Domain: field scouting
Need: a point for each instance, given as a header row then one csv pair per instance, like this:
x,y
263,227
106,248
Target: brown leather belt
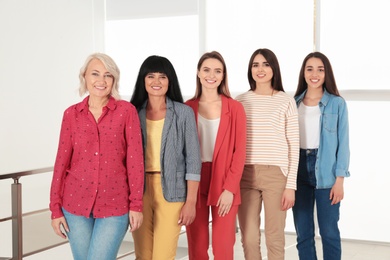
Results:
x,y
153,172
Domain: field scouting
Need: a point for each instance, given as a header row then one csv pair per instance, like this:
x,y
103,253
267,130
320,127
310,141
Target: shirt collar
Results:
x,y
168,101
324,100
84,104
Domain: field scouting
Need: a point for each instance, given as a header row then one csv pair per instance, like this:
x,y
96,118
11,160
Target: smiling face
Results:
x,y
261,70
211,74
314,73
98,79
156,84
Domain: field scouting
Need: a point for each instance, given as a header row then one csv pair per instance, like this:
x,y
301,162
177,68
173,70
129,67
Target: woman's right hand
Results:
x,y
56,224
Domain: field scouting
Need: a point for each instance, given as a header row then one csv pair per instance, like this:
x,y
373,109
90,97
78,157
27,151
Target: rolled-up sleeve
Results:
x,y
192,147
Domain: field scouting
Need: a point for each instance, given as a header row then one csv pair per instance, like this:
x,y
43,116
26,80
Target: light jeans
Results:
x,y
95,238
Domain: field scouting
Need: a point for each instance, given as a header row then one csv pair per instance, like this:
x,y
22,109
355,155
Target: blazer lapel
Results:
x,y
167,123
224,125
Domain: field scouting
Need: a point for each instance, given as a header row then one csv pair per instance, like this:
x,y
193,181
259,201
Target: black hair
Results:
x,y
156,64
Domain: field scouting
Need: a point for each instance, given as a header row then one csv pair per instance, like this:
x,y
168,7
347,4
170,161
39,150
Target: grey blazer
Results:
x,y
180,152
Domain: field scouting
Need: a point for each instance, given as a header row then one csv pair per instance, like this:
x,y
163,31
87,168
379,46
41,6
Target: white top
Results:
x,y
208,129
309,126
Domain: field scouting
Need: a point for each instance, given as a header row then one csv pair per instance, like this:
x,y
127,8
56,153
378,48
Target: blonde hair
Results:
x,y
109,64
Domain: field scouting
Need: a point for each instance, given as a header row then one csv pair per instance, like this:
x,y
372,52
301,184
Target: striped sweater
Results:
x,y
272,132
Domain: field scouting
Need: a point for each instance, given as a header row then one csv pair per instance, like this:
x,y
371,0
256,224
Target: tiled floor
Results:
x,y
352,250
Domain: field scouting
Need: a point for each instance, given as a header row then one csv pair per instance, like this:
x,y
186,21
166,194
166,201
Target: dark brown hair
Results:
x,y
272,60
329,83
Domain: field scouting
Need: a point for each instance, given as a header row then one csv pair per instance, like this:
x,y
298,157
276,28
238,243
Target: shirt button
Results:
x,y
96,153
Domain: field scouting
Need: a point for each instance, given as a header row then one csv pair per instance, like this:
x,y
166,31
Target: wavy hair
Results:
x,y
110,66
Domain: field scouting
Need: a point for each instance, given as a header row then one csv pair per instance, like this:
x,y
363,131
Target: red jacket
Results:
x,y
229,151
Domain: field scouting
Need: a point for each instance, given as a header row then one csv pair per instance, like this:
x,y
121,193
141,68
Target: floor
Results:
x,y
352,250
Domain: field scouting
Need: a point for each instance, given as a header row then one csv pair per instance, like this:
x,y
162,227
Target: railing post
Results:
x,y
17,241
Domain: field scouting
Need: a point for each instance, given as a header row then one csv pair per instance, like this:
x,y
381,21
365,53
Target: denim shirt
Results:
x,y
333,151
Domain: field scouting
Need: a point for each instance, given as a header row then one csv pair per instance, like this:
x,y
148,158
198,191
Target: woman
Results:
x,y
172,159
272,152
324,157
222,130
98,173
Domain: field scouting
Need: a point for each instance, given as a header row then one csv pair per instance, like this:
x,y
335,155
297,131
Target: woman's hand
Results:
x,y
288,199
57,223
187,213
135,219
337,191
225,202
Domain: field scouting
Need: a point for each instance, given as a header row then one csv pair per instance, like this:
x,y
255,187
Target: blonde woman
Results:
x,y
98,176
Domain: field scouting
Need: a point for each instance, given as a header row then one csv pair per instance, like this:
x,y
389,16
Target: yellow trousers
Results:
x,y
158,235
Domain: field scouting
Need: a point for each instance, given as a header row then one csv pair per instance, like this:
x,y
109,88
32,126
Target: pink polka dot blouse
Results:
x,y
99,168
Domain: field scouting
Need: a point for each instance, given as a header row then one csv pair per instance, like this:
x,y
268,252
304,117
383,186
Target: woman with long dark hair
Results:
x,y
324,157
172,159
272,150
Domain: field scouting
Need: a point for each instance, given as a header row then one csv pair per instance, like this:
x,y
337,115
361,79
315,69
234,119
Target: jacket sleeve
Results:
x,y
233,178
192,147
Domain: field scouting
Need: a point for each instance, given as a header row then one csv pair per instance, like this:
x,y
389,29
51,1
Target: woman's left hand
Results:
x,y
288,199
135,219
187,214
225,202
337,191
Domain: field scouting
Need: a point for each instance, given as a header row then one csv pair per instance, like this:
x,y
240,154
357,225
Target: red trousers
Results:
x,y
223,228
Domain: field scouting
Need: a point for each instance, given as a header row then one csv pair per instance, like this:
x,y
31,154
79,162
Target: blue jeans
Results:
x,y
303,211
95,238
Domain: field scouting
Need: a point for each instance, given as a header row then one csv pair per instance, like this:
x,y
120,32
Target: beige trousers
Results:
x,y
262,185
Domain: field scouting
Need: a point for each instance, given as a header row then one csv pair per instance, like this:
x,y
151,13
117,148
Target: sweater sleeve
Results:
x,y
292,136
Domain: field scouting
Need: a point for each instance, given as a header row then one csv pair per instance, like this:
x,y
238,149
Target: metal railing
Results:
x,y
17,219
17,215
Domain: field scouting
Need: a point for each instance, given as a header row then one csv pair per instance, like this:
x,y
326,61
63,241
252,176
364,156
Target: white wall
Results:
x,y
349,32
43,44
352,36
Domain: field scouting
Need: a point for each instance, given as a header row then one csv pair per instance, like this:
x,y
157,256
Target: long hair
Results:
x,y
109,64
330,81
270,57
223,88
156,64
